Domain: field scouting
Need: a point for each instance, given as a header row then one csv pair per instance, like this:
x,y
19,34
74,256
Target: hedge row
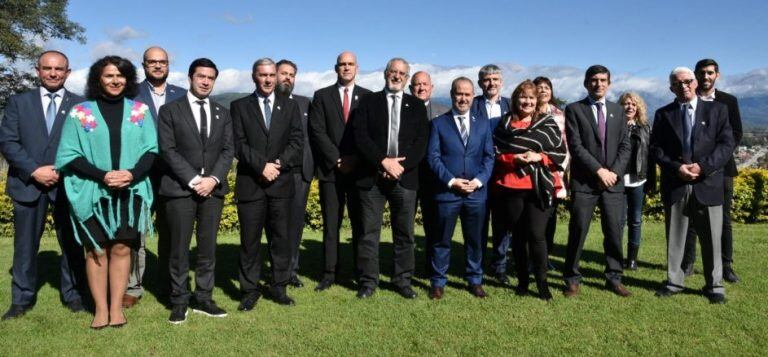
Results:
x,y
750,204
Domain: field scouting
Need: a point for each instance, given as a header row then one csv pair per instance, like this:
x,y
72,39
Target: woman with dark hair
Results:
x,y
107,147
545,95
530,152
638,172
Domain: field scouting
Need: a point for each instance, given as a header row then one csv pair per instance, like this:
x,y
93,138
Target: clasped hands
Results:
x,y
528,157
689,172
346,163
464,186
271,171
607,177
117,179
392,168
46,175
204,186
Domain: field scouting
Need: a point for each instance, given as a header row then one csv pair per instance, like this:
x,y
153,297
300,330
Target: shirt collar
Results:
x,y
152,89
193,100
710,97
489,101
398,94
592,101
694,102
457,114
261,97
59,92
341,87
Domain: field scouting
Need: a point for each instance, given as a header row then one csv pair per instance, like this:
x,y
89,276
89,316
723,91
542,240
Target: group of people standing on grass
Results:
x,y
107,162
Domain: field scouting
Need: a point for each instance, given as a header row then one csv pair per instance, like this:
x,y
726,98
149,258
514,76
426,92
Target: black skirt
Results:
x,y
124,234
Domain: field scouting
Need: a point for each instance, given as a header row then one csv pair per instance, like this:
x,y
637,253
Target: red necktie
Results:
x,y
345,106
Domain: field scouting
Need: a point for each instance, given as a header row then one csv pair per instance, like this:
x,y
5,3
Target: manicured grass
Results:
x,y
336,323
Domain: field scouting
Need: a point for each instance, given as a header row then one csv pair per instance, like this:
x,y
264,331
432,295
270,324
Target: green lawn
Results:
x,y
336,323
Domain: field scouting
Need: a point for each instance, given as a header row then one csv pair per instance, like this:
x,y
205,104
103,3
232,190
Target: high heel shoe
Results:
x,y
96,328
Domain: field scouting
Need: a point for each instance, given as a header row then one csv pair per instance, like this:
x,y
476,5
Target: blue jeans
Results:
x,y
634,197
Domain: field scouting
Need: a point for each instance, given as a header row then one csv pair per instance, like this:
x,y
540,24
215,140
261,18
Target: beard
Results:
x,y
284,89
161,79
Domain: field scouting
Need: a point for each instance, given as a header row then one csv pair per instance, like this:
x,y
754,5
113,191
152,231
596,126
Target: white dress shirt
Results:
x,y
457,121
271,102
351,88
493,108
46,100
593,106
196,114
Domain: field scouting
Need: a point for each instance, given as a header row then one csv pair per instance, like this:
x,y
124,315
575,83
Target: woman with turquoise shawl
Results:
x,y
108,145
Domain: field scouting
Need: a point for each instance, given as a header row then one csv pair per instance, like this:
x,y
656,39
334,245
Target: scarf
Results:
x,y
85,135
544,137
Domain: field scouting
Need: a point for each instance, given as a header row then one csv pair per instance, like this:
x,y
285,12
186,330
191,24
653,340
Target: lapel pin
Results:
x,y
217,116
63,112
278,107
703,123
610,115
217,108
406,105
355,97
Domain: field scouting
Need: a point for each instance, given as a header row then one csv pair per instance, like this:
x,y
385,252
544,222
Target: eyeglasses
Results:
x,y
686,83
161,63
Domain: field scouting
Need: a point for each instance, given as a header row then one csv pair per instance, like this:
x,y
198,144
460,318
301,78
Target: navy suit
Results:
x,y
448,158
498,261
26,145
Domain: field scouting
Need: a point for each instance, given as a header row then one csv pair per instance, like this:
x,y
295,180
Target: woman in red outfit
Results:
x,y
530,152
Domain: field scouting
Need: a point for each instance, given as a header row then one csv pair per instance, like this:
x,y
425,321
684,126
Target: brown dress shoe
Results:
x,y
571,290
477,291
129,301
618,289
436,293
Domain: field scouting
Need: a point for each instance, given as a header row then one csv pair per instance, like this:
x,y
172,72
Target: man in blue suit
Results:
x,y
460,154
29,139
155,92
491,105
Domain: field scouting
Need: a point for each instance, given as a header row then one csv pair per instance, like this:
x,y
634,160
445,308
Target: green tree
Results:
x,y
23,25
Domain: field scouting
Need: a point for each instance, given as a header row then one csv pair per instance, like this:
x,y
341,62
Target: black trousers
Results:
x,y
727,237
270,213
583,206
402,206
297,219
182,215
333,197
524,216
29,222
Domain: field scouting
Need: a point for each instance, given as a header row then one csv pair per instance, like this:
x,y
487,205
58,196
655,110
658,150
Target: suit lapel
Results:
x,y
259,117
586,109
216,121
700,121
189,118
61,116
673,115
338,104
278,122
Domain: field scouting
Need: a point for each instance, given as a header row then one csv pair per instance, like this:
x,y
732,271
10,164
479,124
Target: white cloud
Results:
x,y
110,48
234,20
126,33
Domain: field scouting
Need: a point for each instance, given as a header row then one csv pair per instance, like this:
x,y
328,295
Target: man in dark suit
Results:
x,y
155,92
692,141
460,154
599,146
707,72
29,139
302,174
196,142
421,87
336,158
391,131
268,145
491,105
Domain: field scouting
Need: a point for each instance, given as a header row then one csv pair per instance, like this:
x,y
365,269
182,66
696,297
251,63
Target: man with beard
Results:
x,y
155,92
302,174
391,132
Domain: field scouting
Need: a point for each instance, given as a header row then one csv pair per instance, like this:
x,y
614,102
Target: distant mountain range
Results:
x,y
754,109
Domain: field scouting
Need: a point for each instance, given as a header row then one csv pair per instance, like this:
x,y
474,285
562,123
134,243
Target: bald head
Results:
x,y
156,65
346,68
421,85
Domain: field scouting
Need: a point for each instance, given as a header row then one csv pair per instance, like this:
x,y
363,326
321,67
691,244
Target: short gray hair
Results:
x,y
265,61
680,70
398,59
487,70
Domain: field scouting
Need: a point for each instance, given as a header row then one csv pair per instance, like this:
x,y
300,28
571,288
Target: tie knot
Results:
x,y
266,100
461,117
200,102
346,90
599,105
52,95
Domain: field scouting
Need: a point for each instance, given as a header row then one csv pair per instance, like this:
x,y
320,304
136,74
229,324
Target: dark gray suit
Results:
x,y
26,145
586,158
302,178
187,156
435,109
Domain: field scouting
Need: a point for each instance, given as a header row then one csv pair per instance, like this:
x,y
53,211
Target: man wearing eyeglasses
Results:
x,y
155,92
692,141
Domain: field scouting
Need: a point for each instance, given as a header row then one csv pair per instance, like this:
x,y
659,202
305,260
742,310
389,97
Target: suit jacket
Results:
x,y
26,144
307,167
586,149
371,131
435,109
329,136
172,93
186,155
713,144
255,146
448,157
734,116
478,107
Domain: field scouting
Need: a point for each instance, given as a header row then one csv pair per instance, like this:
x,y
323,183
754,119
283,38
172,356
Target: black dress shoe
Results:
x,y
248,302
715,298
502,278
325,284
477,291
178,314
209,308
16,311
76,305
365,292
436,293
295,282
521,290
284,299
729,275
407,292
665,292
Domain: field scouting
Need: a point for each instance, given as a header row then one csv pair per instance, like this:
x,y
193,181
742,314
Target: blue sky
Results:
x,y
640,40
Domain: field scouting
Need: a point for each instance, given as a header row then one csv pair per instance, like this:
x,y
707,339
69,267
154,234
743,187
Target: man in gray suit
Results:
x,y
155,92
302,175
421,86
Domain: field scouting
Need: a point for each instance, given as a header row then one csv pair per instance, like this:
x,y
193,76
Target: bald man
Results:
x,y
421,86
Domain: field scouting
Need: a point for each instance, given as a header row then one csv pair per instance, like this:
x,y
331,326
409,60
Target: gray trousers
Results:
x,y
138,264
708,222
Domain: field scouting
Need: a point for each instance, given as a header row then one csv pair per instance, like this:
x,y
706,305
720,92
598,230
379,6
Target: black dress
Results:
x,y
112,111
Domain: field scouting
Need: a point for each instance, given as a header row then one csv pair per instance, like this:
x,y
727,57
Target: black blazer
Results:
x,y
183,150
329,136
26,144
255,146
371,130
586,149
734,117
307,166
712,147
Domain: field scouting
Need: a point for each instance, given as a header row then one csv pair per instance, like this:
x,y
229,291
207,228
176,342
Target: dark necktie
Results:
x,y
50,113
463,131
203,121
687,129
345,106
601,129
267,113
